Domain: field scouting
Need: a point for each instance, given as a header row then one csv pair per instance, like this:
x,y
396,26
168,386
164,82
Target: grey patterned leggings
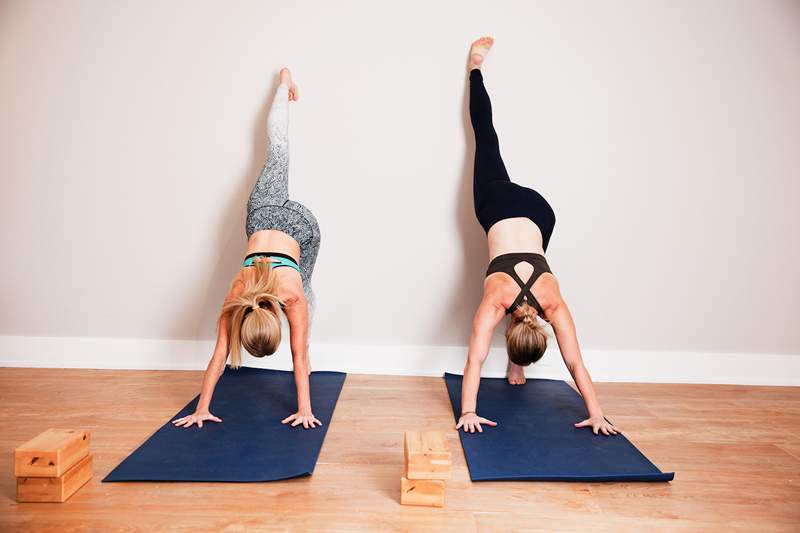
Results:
x,y
269,206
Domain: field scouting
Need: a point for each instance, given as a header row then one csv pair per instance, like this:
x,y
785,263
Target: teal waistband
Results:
x,y
276,261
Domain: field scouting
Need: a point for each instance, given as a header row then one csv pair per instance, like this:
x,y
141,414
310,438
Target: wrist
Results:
x,y
465,413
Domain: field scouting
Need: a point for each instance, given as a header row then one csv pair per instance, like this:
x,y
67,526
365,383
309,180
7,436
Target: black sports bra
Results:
x,y
507,262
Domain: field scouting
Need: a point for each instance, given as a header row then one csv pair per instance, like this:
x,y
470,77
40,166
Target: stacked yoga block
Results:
x,y
428,462
52,466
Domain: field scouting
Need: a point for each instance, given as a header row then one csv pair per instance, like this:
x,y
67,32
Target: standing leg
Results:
x,y
272,187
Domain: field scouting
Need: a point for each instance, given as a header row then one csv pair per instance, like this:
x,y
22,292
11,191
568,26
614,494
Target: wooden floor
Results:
x,y
735,451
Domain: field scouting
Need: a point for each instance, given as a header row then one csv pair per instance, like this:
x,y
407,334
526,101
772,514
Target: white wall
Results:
x,y
665,135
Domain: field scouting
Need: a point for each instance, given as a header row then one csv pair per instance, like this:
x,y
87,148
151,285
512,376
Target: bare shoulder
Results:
x,y
295,307
237,285
491,308
290,286
495,288
493,279
292,296
548,293
499,291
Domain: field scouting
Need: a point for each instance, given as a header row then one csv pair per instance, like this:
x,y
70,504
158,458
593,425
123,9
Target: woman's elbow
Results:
x,y
474,362
293,299
575,366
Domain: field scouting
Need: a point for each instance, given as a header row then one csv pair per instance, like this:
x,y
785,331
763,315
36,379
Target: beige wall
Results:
x,y
665,134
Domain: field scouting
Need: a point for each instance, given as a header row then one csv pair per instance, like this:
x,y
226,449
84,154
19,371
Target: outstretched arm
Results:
x,y
216,366
567,337
486,319
296,310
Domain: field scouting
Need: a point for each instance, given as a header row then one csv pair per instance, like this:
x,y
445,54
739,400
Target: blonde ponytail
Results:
x,y
526,338
253,315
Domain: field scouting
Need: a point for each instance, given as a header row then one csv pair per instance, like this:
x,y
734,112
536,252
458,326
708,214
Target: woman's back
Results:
x,y
519,234
273,241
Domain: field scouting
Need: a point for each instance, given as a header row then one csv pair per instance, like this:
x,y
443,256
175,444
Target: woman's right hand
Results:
x,y
196,418
471,422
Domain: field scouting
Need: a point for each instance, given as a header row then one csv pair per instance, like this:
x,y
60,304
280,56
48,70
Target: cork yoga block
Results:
x,y
51,453
427,492
427,455
55,489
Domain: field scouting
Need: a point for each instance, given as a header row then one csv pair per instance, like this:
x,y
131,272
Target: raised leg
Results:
x,y
489,164
272,186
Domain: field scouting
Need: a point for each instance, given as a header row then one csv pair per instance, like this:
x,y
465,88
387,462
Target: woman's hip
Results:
x,y
291,218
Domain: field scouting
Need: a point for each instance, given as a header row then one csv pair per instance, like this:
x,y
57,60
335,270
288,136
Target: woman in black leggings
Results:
x,y
518,222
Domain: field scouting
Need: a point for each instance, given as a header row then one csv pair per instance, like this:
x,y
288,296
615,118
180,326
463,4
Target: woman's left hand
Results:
x,y
599,424
304,417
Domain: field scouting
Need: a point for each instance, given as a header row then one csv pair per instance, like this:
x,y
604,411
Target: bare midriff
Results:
x,y
514,235
271,240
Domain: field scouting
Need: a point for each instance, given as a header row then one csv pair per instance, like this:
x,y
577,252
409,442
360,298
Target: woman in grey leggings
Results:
x,y
283,241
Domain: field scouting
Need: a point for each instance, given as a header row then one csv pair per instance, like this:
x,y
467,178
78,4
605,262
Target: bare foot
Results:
x,y
478,51
515,374
286,79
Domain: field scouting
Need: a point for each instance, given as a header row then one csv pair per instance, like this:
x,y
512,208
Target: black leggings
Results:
x,y
496,196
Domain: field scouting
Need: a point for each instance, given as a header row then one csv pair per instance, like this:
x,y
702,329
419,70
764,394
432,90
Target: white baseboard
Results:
x,y
604,365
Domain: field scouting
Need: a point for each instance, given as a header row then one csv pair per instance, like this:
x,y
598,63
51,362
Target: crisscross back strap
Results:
x,y
525,294
505,263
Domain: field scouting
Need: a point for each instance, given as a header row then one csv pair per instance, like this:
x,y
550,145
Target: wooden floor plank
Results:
x,y
735,450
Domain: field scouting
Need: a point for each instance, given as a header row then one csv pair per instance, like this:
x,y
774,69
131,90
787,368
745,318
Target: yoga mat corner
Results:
x,y
535,439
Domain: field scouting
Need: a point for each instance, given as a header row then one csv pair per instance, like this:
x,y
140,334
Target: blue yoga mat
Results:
x,y
535,439
250,444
